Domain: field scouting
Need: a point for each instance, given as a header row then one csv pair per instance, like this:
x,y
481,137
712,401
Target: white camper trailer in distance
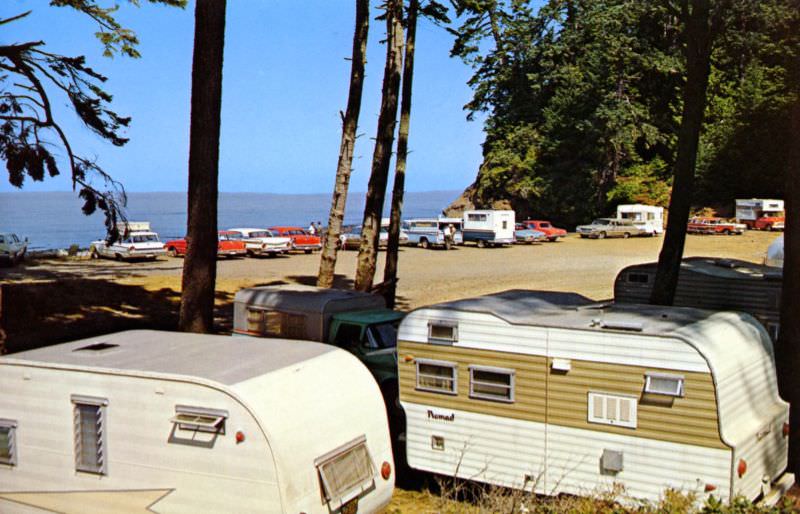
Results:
x,y
167,422
521,390
648,217
488,227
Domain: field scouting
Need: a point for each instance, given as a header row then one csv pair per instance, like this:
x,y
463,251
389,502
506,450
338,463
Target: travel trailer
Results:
x,y
148,421
761,214
648,217
488,228
529,390
711,283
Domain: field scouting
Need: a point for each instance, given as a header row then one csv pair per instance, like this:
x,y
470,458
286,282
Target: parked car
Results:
x,y
610,227
137,241
711,225
552,232
12,248
230,244
260,241
351,239
523,234
301,238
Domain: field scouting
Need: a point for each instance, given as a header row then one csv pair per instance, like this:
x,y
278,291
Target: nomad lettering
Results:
x,y
441,417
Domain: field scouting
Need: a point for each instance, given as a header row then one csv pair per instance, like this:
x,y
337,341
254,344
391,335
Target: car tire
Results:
x,y
601,235
626,235
726,232
308,252
423,243
552,239
172,252
118,256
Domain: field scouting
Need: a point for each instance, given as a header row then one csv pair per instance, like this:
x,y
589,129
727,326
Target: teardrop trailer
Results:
x,y
181,423
526,390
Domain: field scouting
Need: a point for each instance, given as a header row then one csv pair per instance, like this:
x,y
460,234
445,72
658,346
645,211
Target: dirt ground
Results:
x,y
51,301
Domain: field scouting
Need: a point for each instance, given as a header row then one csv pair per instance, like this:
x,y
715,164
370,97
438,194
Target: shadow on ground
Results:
x,y
37,314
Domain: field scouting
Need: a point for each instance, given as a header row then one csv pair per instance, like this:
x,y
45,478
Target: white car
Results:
x,y
260,241
12,248
136,241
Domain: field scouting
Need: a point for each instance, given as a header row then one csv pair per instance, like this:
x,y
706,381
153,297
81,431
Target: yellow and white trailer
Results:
x,y
147,421
521,391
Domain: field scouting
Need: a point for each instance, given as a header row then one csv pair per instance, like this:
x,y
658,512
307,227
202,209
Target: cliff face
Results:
x,y
469,200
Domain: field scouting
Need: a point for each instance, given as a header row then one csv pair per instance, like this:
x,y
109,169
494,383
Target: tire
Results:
x,y
423,243
626,235
769,227
172,252
118,256
552,239
726,232
601,235
307,251
481,243
93,253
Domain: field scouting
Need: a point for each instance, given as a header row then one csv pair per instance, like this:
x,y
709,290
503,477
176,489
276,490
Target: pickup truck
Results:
x,y
12,248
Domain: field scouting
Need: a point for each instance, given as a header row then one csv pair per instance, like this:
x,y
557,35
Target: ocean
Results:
x,y
54,219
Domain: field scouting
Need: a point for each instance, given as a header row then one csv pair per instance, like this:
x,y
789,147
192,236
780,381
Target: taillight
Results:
x,y
386,470
741,469
239,437
786,430
710,487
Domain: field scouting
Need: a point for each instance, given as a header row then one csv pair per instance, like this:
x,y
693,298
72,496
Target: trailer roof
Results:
x,y
223,359
304,298
724,268
570,310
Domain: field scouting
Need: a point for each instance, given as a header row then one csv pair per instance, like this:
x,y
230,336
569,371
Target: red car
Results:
x,y
301,238
711,225
230,244
552,232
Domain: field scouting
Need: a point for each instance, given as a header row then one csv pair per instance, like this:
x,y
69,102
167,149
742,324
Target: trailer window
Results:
x,y
491,383
8,436
437,376
442,332
638,278
661,383
476,217
346,472
276,324
610,409
89,417
199,419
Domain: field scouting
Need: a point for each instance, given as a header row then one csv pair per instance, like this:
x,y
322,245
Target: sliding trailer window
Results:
x,y
488,383
437,376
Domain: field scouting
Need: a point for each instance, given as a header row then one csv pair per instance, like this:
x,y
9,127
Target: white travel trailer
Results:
x,y
488,228
147,421
522,390
649,217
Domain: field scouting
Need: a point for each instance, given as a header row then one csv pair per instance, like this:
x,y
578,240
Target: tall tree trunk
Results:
x,y
788,358
376,190
327,265
200,264
393,246
696,14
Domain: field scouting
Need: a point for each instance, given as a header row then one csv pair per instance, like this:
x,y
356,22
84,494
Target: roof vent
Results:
x,y
96,347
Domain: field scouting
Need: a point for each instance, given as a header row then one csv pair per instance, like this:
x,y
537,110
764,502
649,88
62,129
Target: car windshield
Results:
x,y
144,238
230,236
260,233
382,335
600,221
544,225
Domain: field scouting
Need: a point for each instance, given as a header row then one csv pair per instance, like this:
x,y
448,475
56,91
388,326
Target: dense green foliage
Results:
x,y
583,102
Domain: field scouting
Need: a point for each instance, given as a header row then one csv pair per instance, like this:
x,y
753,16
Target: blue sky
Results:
x,y
285,81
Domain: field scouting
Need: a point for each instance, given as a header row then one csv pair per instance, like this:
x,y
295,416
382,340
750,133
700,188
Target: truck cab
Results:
x,y
371,335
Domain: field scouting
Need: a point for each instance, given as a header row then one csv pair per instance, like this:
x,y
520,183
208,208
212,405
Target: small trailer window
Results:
x,y
345,472
437,376
8,435
491,383
199,419
661,383
276,324
476,217
442,332
611,409
89,417
638,278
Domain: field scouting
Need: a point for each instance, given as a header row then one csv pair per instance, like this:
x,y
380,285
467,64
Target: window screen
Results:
x,y
610,409
276,324
491,383
437,376
90,434
346,472
8,434
660,383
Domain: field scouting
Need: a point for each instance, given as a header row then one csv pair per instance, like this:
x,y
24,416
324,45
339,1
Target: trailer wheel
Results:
x,y
626,235
601,235
423,243
481,243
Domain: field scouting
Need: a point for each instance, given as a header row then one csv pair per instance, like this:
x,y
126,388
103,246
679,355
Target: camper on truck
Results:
x,y
761,214
433,232
170,422
553,394
488,227
136,241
